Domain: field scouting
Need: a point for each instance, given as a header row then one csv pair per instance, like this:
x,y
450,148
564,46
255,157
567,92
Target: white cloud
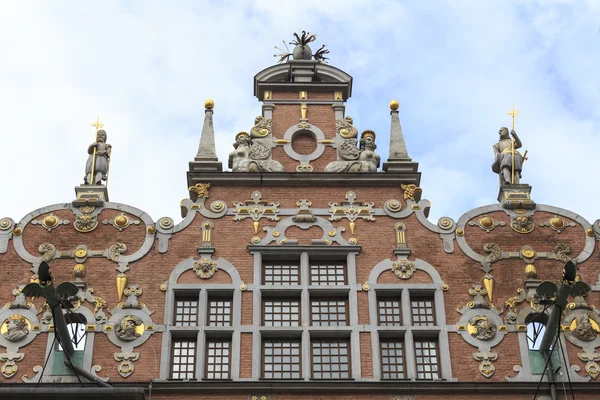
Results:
x,y
147,67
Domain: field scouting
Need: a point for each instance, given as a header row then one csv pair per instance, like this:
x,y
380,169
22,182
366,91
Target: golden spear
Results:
x,y
513,113
97,125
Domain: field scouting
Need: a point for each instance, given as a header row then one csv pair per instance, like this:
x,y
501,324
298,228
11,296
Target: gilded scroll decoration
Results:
x,y
262,127
345,128
412,192
199,191
351,210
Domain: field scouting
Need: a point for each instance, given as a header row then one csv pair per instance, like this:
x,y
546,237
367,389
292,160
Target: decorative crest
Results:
x,y
302,50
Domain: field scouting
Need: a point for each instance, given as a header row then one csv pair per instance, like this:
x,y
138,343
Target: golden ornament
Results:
x,y
80,253
209,104
530,271
50,221
528,253
394,105
121,221
557,223
486,222
121,283
488,284
589,232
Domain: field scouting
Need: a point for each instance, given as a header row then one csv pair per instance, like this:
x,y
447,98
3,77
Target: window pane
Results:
x,y
219,312
328,274
422,312
280,365
325,312
281,312
389,312
186,312
392,362
426,359
182,366
327,360
217,367
281,274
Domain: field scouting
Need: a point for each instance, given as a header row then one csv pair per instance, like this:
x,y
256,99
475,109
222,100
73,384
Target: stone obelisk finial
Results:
x,y
398,160
206,158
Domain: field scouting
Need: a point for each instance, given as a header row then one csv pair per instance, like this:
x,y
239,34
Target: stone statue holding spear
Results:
x,y
508,162
96,167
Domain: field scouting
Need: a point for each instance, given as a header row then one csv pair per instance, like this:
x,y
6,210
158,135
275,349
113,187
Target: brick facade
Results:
x,y
447,265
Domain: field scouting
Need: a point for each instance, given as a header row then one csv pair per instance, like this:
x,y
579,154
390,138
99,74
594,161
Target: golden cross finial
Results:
x,y
97,124
513,113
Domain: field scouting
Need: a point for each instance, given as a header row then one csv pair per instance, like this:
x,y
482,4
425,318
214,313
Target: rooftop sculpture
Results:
x,y
302,50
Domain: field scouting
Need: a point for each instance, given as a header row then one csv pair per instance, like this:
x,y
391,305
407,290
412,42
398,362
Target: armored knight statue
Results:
x,y
503,158
98,161
353,159
252,154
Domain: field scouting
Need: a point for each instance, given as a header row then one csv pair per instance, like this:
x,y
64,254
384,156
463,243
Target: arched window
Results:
x,y
536,327
76,327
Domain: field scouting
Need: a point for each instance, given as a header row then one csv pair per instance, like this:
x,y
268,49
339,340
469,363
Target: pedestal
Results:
x,y
90,195
516,196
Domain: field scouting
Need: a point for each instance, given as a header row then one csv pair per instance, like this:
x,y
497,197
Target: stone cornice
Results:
x,y
350,180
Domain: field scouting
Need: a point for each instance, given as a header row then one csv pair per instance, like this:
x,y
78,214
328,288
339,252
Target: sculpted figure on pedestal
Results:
x,y
503,157
98,160
362,159
252,155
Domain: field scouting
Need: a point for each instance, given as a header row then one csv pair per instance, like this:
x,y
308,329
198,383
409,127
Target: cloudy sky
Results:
x,y
146,68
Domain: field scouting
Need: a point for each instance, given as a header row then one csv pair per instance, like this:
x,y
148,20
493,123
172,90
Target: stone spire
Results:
x,y
398,160
206,158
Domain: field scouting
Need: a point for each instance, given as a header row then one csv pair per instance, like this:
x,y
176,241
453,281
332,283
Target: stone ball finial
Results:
x,y
209,104
394,105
